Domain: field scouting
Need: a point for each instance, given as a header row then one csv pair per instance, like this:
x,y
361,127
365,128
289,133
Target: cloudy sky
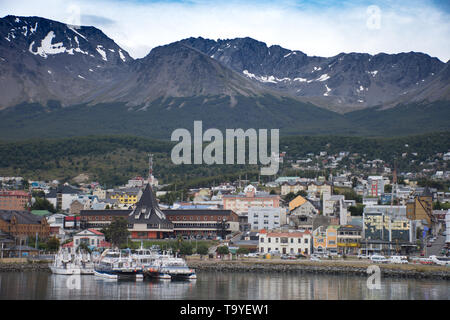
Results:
x,y
321,27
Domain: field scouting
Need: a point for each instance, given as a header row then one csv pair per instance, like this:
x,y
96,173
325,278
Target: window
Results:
x,y
269,240
262,240
306,240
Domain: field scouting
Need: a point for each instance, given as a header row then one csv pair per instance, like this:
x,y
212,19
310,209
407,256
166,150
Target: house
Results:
x,y
62,197
91,237
285,242
320,188
292,187
301,207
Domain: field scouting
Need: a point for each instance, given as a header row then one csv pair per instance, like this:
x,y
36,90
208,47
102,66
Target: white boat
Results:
x,y
113,264
66,263
176,268
150,262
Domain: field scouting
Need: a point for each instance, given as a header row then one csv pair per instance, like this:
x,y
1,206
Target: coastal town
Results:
x,y
347,216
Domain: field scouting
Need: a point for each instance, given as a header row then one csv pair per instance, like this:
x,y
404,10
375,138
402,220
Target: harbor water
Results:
x,y
39,285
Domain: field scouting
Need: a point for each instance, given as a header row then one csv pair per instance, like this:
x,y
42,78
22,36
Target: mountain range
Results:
x,y
59,79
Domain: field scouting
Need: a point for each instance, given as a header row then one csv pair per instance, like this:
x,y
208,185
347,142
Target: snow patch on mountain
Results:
x,y
101,52
323,77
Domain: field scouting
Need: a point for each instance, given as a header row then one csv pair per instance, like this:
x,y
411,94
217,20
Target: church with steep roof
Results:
x,y
146,220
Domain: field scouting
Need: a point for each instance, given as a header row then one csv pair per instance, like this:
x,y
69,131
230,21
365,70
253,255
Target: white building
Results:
x,y
375,185
266,218
285,242
90,237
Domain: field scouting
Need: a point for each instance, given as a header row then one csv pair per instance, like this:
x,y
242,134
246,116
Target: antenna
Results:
x,y
150,169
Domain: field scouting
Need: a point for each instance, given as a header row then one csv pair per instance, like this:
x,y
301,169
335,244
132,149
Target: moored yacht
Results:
x,y
117,265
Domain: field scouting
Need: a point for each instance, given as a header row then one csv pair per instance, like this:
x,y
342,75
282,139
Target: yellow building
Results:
x,y
421,207
129,196
325,239
298,201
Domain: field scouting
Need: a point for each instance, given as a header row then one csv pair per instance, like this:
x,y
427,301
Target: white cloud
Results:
x,y
322,31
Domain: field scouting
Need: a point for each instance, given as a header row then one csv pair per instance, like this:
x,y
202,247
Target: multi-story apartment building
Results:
x,y
251,198
129,196
325,239
266,218
375,186
349,239
285,242
292,187
14,199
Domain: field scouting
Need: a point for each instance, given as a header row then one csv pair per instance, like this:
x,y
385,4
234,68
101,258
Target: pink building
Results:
x,y
250,198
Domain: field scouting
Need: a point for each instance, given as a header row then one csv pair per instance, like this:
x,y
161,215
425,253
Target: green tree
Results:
x,y
356,210
53,244
43,204
242,250
186,248
223,250
202,249
117,232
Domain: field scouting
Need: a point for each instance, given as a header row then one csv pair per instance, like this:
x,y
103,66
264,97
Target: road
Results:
x,y
436,247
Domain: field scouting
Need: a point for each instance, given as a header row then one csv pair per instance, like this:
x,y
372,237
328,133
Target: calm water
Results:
x,y
223,286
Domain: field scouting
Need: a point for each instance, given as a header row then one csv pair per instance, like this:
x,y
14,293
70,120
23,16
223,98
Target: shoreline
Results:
x,y
358,268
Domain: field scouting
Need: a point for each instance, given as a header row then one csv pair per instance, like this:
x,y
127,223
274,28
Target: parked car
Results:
x,y
398,259
426,261
428,244
363,256
442,261
379,259
314,257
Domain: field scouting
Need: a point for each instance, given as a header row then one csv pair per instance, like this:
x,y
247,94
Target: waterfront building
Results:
x,y
91,237
23,224
384,233
349,239
147,220
202,223
14,199
285,242
325,239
